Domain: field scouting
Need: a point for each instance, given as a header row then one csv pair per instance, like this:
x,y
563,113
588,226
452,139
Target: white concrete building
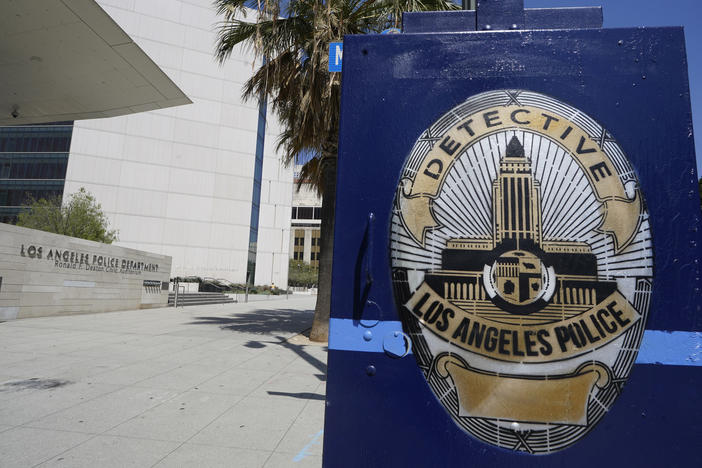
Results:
x,y
306,223
180,181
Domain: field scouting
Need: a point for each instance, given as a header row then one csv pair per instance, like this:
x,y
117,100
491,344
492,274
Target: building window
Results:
x,y
306,212
299,248
33,162
315,248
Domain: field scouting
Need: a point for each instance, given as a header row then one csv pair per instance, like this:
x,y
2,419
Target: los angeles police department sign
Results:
x,y
522,263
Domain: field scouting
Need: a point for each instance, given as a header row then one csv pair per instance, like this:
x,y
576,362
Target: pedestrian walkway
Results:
x,y
230,385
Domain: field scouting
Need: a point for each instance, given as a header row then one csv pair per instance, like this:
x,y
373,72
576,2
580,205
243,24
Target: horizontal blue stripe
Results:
x,y
348,335
676,348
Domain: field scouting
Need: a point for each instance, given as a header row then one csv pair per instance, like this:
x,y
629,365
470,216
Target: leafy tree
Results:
x,y
81,216
293,47
301,274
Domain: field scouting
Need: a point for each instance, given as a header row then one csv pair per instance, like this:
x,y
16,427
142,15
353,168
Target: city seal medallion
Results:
x,y
522,262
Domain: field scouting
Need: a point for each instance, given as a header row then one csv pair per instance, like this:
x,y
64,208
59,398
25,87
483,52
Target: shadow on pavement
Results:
x,y
268,321
297,349
302,395
271,322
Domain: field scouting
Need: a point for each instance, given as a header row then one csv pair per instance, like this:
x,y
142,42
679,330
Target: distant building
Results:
x,y
33,162
305,223
201,183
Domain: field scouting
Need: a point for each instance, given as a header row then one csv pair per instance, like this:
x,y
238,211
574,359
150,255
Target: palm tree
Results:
x,y
294,78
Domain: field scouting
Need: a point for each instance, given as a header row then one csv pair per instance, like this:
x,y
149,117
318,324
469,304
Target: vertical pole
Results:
x,y
282,243
246,296
175,289
468,4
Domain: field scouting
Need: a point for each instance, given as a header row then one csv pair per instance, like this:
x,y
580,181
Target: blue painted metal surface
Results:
x,y
532,18
350,335
440,21
397,344
635,82
500,14
391,419
563,18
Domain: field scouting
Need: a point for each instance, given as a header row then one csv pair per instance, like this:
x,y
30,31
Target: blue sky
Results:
x,y
627,13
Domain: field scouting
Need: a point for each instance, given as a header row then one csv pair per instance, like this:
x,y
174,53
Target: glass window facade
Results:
x,y
33,162
306,212
315,248
256,196
299,247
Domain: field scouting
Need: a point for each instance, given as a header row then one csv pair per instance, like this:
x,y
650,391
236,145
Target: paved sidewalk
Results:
x,y
219,385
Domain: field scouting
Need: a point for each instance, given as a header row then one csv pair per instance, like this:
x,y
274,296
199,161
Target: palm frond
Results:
x,y
293,52
310,173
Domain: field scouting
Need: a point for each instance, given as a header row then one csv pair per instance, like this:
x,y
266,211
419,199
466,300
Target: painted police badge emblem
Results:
x,y
522,264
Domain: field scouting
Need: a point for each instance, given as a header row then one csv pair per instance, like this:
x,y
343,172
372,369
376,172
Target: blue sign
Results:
x,y
336,51
516,274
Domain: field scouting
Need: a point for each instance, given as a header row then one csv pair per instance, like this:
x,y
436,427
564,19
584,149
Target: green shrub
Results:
x,y
301,274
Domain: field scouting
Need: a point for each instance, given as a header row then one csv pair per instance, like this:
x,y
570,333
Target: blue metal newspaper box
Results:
x,y
516,275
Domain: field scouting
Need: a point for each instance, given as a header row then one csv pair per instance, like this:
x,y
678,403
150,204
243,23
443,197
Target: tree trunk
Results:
x,y
320,323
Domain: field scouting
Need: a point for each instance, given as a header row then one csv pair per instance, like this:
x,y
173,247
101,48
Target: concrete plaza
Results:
x,y
220,385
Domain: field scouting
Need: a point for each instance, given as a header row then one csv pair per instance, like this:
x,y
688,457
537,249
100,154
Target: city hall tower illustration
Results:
x,y
517,276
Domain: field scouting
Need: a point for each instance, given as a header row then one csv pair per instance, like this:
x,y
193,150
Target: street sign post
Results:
x,y
516,272
336,52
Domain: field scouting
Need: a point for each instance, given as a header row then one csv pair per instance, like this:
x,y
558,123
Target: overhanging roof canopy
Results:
x,y
68,60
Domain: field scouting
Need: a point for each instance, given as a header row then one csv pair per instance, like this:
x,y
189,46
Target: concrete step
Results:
x,y
197,295
213,300
188,299
181,298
